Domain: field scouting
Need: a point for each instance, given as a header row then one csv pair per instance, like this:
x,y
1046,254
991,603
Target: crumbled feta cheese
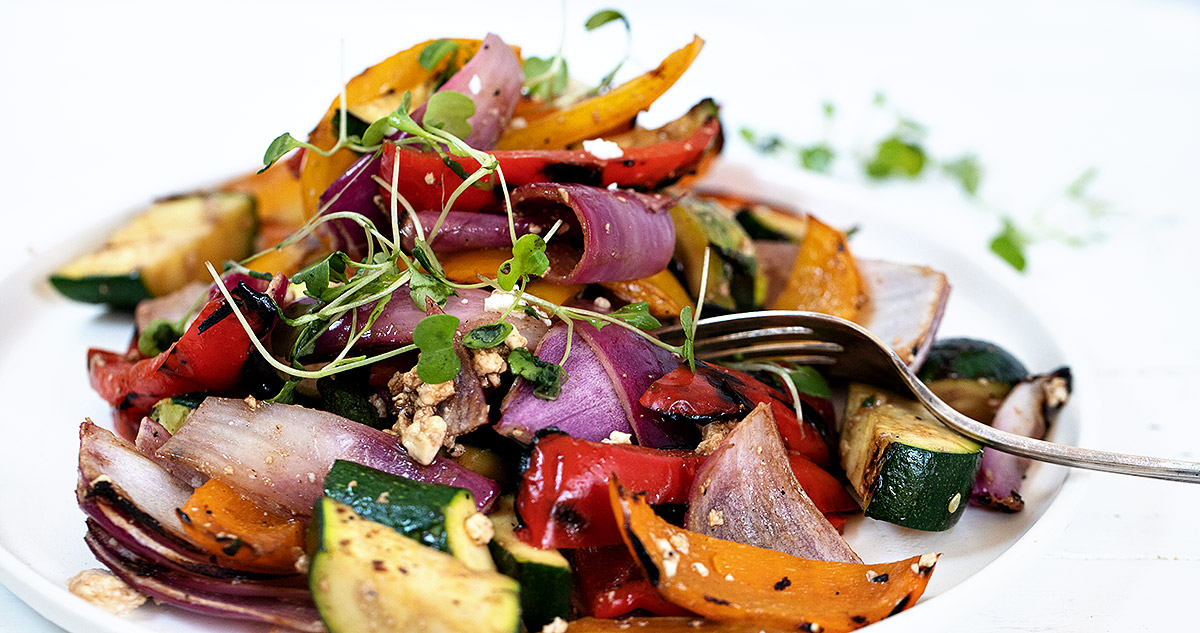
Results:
x,y
518,123
617,437
680,541
515,339
423,438
476,84
714,433
557,625
670,557
487,361
429,395
716,517
479,528
602,149
499,301
101,588
699,568
602,303
429,179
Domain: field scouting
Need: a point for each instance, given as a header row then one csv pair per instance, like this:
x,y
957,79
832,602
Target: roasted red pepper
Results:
x,y
720,393
611,584
208,357
426,181
826,492
563,497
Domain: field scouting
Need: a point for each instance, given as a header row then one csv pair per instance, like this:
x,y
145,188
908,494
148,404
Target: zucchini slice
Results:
x,y
908,468
163,249
367,577
433,514
544,574
735,280
971,375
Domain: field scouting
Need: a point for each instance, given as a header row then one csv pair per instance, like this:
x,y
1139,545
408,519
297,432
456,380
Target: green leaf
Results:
x,y
818,158
1009,245
318,276
543,83
1078,188
448,111
434,336
282,144
528,260
422,286
437,51
486,336
966,171
896,158
157,336
809,381
828,109
604,16
689,332
546,378
636,314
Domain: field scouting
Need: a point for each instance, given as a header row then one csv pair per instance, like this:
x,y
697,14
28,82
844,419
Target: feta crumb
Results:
x,y
602,149
680,541
617,437
612,186
499,301
729,577
602,303
927,560
515,339
101,588
476,84
479,528
716,517
429,395
700,569
487,362
423,438
872,575
670,557
429,179
518,123
557,625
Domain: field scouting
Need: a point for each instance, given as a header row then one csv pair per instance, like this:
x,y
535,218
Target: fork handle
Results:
x,y
1043,451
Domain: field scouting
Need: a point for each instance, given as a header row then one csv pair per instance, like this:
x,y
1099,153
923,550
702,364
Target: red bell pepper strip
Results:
x,y
611,584
715,393
563,497
426,181
826,492
208,357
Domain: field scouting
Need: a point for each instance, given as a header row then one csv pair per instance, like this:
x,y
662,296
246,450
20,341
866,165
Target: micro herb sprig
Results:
x,y
794,379
548,78
599,19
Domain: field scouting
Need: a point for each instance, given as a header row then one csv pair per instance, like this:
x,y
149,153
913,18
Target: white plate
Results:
x,y
45,339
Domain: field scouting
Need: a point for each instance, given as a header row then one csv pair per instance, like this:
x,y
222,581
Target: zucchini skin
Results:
x,y
119,291
544,574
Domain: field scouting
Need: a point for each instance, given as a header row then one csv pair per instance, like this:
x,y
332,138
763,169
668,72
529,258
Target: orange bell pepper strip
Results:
x,y
592,117
728,581
465,267
643,624
662,291
824,276
388,79
238,533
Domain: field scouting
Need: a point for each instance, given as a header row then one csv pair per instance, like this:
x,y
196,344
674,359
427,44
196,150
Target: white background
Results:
x,y
107,105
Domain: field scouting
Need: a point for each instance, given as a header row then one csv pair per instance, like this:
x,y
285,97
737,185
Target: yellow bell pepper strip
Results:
x,y
280,211
384,82
661,290
591,118
465,267
728,581
824,277
238,533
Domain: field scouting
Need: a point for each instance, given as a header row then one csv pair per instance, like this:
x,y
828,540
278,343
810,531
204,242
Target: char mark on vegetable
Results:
x,y
708,598
900,606
783,583
581,174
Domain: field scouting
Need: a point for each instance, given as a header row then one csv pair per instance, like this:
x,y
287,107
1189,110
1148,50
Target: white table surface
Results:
x,y
109,104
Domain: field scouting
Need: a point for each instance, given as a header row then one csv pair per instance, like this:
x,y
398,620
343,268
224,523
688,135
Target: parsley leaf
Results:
x,y
437,51
818,158
966,171
448,111
636,314
489,335
422,286
546,378
604,16
317,277
434,336
896,157
1009,244
529,259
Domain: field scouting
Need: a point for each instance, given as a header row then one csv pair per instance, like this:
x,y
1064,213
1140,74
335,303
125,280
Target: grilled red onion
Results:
x,y
608,371
907,303
465,230
1028,410
492,79
280,606
625,235
278,454
746,492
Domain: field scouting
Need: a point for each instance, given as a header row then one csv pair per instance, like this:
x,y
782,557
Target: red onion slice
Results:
x,y
608,371
1028,410
279,454
625,235
907,304
745,492
277,610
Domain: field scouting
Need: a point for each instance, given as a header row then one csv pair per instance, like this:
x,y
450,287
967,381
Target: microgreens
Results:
x,y
636,314
529,259
546,378
435,52
487,336
599,19
434,336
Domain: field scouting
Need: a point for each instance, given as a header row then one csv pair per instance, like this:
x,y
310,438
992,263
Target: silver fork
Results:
x,y
847,350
